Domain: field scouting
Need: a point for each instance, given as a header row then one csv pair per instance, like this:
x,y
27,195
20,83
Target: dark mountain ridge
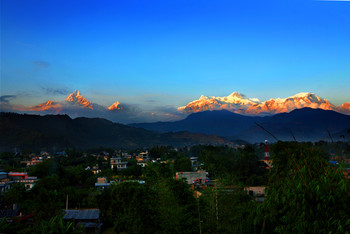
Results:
x,y
304,124
217,122
35,132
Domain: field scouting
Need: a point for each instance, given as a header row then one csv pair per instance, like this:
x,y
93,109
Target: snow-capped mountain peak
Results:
x,y
236,94
49,105
346,105
239,103
73,96
236,97
116,106
303,94
76,98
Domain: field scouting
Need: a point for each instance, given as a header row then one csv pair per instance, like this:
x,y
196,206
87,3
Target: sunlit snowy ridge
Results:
x,y
239,103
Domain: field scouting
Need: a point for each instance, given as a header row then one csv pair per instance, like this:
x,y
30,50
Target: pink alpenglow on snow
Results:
x,y
49,105
75,97
116,106
239,103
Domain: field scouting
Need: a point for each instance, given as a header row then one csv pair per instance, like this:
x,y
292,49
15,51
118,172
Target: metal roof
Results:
x,y
102,184
82,214
8,213
89,225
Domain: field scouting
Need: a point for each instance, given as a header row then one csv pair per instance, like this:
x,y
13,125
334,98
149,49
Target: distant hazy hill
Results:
x,y
305,124
219,122
60,131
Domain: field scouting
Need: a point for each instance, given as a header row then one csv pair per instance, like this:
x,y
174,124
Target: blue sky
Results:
x,y
168,53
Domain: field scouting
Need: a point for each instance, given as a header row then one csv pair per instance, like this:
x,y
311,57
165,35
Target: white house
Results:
x,y
117,163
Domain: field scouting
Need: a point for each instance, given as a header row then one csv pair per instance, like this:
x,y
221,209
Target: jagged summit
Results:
x,y
72,95
49,105
116,106
75,97
237,94
239,103
235,102
74,103
303,94
346,105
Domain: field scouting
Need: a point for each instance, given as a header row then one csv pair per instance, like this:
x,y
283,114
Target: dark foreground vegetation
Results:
x,y
304,192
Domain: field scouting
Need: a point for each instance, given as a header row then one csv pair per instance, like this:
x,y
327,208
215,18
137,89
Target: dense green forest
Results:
x,y
305,193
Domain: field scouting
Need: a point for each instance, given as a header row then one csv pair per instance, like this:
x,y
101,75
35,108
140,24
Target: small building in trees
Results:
x,y
258,192
88,219
33,162
102,183
117,163
142,158
22,177
194,162
5,183
193,177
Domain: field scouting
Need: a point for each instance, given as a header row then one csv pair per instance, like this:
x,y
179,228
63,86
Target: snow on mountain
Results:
x,y
77,105
345,108
76,98
74,103
49,105
346,105
239,103
297,101
235,102
115,106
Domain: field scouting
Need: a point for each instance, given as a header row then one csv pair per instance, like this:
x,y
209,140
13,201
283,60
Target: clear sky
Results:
x,y
167,53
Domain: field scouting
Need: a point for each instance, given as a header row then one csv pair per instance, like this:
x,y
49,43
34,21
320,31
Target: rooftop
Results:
x,y
82,214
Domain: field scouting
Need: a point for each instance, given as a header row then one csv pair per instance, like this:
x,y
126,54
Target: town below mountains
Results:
x,y
198,174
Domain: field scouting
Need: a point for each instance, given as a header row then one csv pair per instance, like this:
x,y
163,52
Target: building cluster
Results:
x,y
7,179
35,159
199,180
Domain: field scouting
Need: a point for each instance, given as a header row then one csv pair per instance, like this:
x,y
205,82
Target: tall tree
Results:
x,y
306,194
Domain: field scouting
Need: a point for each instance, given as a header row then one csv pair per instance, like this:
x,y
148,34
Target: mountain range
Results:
x,y
304,124
239,103
73,99
235,102
76,105
35,132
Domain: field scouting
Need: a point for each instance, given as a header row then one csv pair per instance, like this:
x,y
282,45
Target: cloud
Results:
x,y
6,98
56,91
168,113
166,109
150,101
40,64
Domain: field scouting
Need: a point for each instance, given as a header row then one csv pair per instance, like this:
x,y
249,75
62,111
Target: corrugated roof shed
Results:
x,y
82,214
